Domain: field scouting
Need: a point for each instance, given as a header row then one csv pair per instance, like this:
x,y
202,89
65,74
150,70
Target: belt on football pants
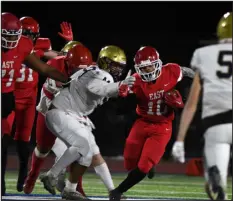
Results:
x,y
218,119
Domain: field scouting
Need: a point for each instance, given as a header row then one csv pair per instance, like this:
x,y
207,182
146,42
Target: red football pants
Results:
x,y
146,144
24,118
44,138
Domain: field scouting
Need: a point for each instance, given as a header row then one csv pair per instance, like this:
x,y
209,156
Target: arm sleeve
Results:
x,y
187,72
102,88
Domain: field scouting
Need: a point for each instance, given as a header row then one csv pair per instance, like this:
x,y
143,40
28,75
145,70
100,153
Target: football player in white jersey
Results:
x,y
213,66
113,58
67,118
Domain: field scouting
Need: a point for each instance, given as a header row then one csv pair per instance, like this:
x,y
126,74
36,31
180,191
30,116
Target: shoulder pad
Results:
x,y
43,44
25,46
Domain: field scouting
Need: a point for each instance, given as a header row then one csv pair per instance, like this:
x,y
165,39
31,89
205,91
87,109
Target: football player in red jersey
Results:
x,y
156,99
26,92
16,49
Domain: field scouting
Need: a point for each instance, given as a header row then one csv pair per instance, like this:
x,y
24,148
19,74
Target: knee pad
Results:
x,y
82,145
86,160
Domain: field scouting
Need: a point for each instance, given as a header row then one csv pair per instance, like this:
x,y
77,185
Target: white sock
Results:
x,y
70,155
103,172
71,187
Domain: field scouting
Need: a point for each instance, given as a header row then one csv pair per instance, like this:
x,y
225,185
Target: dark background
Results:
x,y
175,29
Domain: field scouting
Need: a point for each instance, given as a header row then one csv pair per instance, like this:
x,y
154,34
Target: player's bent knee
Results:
x,y
5,127
97,160
145,166
130,163
26,136
86,161
83,145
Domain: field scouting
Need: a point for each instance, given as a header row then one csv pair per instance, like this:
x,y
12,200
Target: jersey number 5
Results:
x,y
223,62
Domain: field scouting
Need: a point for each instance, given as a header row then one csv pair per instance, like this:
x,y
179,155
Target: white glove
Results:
x,y
129,80
178,151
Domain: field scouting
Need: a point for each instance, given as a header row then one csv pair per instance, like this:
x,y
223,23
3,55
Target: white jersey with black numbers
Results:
x,y
88,88
214,64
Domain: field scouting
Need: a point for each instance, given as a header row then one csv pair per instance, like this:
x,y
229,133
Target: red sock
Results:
x,y
36,165
80,186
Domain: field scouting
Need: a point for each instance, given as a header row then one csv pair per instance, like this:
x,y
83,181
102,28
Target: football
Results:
x,y
173,99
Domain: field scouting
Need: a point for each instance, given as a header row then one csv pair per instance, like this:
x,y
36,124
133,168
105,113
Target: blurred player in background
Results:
x,y
213,65
26,92
156,101
16,49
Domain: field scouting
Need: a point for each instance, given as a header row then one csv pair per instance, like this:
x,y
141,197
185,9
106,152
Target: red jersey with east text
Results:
x,y
150,103
27,82
11,63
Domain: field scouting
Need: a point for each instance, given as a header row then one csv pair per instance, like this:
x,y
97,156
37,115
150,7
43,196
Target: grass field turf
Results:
x,y
164,186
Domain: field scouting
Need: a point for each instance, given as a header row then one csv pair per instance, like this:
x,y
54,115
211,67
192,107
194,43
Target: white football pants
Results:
x,y
218,140
71,133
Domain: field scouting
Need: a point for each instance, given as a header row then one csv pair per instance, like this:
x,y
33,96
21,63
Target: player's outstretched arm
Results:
x,y
33,62
186,118
104,88
189,108
50,54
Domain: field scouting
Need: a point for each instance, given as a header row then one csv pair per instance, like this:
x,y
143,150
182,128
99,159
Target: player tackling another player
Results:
x,y
110,57
81,85
213,65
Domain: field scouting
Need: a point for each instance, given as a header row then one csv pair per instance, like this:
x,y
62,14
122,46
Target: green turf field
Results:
x,y
161,186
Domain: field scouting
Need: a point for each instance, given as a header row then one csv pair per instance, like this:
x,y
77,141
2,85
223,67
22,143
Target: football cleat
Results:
x,y
213,188
115,195
49,182
72,195
61,181
151,173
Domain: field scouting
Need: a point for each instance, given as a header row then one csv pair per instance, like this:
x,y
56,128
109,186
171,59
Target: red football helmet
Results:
x,y
11,30
148,57
30,27
78,57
